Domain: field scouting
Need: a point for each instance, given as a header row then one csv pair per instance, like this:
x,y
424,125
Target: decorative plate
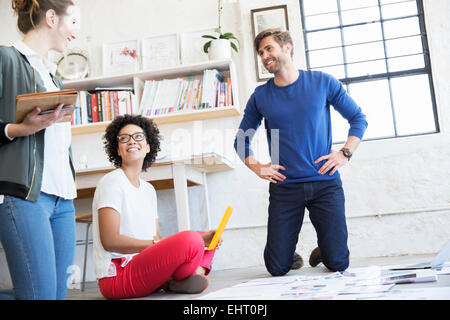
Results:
x,y
73,66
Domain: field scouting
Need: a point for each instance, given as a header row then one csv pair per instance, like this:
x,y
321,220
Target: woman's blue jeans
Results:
x,y
325,202
39,243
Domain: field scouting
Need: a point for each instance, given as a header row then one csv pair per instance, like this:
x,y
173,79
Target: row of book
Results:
x,y
103,104
210,90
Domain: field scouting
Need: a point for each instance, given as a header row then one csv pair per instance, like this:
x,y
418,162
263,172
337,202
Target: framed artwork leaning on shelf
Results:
x,y
192,46
267,18
120,57
160,51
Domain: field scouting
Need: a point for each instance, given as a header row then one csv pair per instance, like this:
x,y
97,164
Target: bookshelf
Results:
x,y
137,81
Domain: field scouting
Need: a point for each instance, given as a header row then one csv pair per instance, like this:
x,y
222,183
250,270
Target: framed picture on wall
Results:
x,y
192,46
267,18
160,51
120,57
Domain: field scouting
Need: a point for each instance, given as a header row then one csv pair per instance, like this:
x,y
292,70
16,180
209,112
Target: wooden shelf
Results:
x,y
159,174
155,74
136,80
157,184
170,118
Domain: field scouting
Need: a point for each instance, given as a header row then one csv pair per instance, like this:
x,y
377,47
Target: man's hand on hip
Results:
x,y
335,160
269,172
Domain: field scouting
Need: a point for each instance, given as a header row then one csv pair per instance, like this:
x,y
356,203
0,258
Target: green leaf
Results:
x,y
206,46
209,37
218,30
227,35
234,46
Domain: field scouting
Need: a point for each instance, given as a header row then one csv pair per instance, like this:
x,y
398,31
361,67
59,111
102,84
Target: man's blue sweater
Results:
x,y
299,114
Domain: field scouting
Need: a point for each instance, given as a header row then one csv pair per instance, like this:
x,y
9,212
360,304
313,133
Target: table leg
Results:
x,y
181,196
206,199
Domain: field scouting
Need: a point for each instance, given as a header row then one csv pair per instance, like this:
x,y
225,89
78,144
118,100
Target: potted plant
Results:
x,y
219,47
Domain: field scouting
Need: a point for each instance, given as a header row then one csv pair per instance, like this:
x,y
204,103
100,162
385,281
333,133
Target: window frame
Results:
x,y
426,70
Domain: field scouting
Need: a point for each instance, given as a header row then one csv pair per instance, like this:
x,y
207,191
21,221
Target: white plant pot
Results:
x,y
220,49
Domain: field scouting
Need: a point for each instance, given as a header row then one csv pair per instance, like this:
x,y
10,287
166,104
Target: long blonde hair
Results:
x,y
30,12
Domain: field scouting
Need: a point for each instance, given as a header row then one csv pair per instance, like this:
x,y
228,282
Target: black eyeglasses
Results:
x,y
137,136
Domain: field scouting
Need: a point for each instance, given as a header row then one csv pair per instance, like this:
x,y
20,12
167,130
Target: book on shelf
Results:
x,y
103,105
99,106
221,94
88,107
229,94
94,107
168,96
83,108
113,89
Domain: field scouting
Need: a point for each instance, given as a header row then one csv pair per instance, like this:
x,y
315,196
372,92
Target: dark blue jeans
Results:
x,y
325,202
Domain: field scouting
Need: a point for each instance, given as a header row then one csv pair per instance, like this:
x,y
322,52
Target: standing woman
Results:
x,y
37,225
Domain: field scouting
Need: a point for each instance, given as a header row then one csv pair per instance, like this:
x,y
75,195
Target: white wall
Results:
x,y
397,190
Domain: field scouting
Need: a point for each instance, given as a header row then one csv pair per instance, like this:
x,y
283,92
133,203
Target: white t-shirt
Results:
x,y
138,212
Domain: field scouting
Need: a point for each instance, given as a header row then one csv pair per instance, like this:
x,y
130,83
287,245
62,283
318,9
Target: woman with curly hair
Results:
x,y
37,216
131,260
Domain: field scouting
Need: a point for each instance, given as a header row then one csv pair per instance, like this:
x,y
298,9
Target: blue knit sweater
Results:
x,y
298,117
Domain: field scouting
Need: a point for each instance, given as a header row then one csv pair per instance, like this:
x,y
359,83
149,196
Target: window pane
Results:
x,y
404,46
321,21
396,10
412,103
361,69
402,27
374,99
314,7
390,1
364,52
406,63
363,33
360,15
324,39
337,71
395,104
339,125
325,57
352,4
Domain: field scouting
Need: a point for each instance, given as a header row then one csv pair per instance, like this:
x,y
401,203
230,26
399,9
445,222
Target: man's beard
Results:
x,y
275,66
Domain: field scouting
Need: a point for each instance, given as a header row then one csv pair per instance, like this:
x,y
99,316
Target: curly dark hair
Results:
x,y
151,132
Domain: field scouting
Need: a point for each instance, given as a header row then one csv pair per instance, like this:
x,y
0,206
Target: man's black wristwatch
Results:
x,y
347,153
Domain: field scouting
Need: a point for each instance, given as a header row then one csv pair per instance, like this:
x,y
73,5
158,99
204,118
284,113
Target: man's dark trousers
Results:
x,y
325,202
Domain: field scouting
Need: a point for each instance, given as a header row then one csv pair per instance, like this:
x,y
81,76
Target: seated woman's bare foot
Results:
x,y
201,271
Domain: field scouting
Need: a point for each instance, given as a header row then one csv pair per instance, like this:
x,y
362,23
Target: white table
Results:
x,y
177,174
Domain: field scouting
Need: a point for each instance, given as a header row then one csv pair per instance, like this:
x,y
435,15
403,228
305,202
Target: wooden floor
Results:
x,y
226,278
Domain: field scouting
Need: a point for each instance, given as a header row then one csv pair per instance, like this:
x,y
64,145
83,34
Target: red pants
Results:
x,y
176,257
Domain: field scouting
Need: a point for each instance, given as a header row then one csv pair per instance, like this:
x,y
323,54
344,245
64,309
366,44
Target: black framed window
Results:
x,y
378,49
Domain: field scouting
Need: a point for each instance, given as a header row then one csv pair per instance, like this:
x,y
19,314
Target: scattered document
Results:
x,y
360,283
413,276
439,293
